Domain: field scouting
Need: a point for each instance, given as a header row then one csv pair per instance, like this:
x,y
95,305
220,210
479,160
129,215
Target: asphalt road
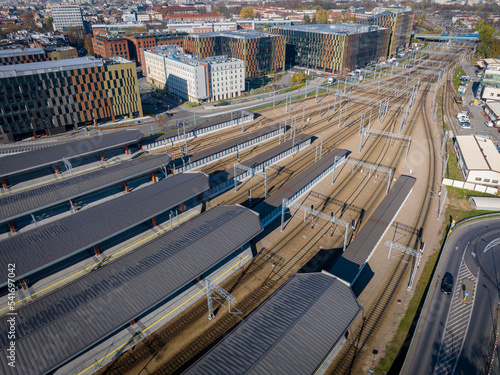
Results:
x,y
453,336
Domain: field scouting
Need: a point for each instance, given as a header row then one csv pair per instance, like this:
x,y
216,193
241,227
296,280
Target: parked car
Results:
x,y
489,124
465,125
447,283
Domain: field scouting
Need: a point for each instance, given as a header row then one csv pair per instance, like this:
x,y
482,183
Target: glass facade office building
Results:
x,y
261,53
57,96
334,48
400,23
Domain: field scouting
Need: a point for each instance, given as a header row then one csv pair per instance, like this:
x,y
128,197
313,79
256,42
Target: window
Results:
x,y
494,181
486,180
478,179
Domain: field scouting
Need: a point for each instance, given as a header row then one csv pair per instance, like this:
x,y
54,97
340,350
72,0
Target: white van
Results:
x,y
331,80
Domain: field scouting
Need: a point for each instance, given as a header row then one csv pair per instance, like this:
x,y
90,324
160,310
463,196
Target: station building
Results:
x,y
52,97
261,53
400,22
334,48
478,159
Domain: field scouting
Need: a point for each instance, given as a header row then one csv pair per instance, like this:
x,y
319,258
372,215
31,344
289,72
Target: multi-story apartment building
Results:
x,y
67,16
182,75
400,22
261,53
334,48
56,96
107,46
226,76
191,78
30,55
201,27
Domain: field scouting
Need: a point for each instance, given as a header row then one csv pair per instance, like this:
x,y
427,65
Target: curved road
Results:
x,y
453,336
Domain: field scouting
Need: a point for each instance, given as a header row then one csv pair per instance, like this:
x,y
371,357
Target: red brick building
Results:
x,y
137,43
107,46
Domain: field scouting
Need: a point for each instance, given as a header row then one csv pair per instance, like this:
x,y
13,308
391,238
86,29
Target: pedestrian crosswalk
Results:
x,y
456,326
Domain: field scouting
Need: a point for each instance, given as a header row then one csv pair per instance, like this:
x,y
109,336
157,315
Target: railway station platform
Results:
x,y
54,157
31,201
230,147
295,331
225,180
270,208
218,123
350,265
84,234
113,299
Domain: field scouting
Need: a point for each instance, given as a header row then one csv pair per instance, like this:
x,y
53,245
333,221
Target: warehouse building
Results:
x,y
191,78
57,96
478,159
400,22
334,48
261,53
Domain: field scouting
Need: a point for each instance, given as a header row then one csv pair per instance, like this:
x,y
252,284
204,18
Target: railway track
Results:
x,y
226,321
345,361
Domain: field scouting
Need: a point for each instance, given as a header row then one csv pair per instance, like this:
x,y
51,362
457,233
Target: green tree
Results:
x,y
485,38
202,10
306,20
49,22
87,44
321,16
247,12
28,21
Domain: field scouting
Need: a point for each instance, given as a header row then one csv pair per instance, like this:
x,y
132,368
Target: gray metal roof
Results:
x,y
231,143
39,248
357,253
42,197
290,333
31,160
205,124
10,52
56,328
276,150
48,66
298,182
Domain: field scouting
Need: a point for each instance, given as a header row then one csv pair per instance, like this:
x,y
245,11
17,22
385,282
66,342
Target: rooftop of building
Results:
x,y
334,29
175,53
220,59
57,65
11,52
479,153
237,34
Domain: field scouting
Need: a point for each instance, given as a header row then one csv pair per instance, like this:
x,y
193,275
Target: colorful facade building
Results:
x,y
334,48
52,97
400,22
31,55
261,53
